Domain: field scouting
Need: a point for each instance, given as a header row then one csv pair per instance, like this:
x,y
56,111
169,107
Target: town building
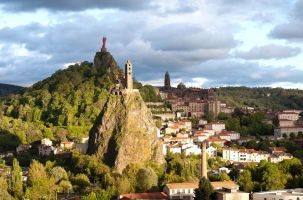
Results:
x,y
288,194
233,135
192,101
216,126
244,155
45,150
280,132
67,145
217,141
289,115
22,148
231,194
211,152
183,190
250,155
46,141
186,190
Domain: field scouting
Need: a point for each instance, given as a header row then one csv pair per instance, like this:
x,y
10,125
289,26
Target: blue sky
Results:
x,y
202,43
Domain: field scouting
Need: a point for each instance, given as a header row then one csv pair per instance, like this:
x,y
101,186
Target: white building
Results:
x,y
287,130
233,135
216,126
286,122
279,156
202,122
244,155
192,149
288,194
200,137
47,142
186,190
211,152
290,115
45,150
23,148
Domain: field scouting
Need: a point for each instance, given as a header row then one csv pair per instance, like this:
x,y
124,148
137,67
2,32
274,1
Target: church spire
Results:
x,y
167,81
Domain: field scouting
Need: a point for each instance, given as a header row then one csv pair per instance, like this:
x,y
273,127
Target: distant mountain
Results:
x,y
264,97
6,89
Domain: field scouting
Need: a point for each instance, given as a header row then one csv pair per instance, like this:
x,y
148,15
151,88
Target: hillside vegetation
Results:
x,y
6,89
65,104
262,98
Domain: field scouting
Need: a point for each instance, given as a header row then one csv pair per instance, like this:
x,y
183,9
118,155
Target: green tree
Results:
x,y
16,188
4,195
273,178
40,185
245,181
58,173
81,183
204,191
100,195
147,179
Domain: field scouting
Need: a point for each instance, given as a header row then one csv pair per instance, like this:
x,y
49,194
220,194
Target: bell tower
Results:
x,y
167,81
128,75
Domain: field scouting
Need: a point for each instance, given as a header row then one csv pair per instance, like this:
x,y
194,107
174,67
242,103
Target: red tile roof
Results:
x,y
151,195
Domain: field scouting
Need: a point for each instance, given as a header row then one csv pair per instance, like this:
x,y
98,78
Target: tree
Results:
x,y
147,179
58,173
273,178
81,182
204,191
245,181
36,172
292,136
102,195
40,185
3,189
16,188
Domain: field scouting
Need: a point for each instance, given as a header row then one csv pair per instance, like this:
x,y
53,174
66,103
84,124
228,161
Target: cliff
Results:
x,y
105,62
125,132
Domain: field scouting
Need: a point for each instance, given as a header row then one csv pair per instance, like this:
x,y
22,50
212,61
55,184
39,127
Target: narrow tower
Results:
x,y
167,81
203,160
128,75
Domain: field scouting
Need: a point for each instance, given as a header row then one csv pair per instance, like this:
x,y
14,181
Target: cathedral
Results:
x,y
193,101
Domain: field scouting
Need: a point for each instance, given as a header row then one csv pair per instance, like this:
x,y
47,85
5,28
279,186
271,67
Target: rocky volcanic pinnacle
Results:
x,y
124,132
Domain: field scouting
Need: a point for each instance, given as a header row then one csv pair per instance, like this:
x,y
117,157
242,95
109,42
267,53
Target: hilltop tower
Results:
x,y
203,160
128,75
167,81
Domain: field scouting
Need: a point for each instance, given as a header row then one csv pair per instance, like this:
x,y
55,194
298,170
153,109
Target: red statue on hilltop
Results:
x,y
103,49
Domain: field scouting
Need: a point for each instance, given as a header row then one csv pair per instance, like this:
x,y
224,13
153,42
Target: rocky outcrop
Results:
x,y
105,62
125,132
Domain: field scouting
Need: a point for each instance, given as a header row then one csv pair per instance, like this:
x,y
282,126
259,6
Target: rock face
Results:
x,y
105,62
125,132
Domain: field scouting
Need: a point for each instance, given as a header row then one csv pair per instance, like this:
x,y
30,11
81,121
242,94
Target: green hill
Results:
x,y
6,89
263,98
65,104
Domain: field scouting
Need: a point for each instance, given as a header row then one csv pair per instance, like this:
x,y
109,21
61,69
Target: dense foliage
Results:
x,y
262,98
247,124
63,105
272,176
6,89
